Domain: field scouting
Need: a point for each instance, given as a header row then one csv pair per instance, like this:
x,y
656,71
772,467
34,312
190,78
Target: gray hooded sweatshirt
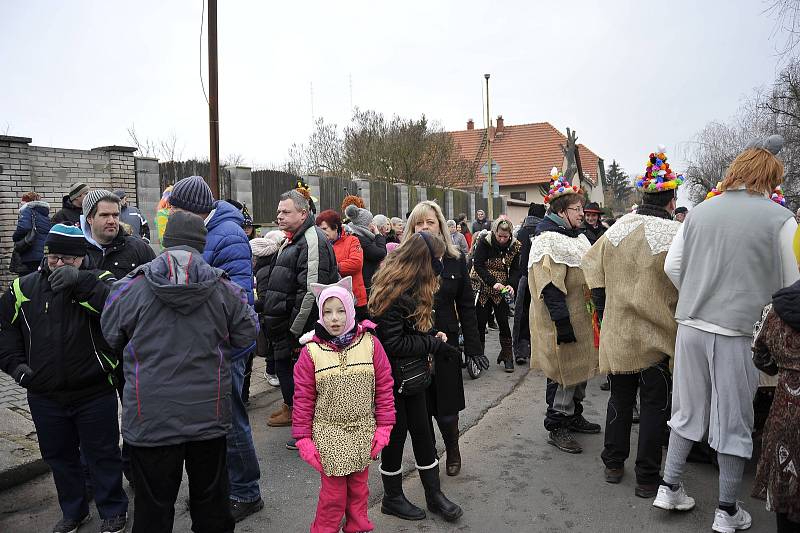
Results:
x,y
177,321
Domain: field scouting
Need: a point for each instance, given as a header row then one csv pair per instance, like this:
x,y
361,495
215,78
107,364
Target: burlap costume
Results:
x,y
639,327
556,259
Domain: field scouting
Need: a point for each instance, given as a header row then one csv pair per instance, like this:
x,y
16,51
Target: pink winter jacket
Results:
x,y
305,387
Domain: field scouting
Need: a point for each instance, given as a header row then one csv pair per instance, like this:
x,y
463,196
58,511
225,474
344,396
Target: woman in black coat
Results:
x,y
401,304
453,305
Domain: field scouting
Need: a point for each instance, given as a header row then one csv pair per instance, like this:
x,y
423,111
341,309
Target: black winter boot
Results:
x,y
506,354
394,501
450,436
437,502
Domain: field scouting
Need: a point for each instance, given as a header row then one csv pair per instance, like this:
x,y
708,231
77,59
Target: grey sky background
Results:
x,y
627,75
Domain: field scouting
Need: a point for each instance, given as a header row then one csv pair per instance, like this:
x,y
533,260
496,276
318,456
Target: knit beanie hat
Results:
x,y
185,229
77,189
343,290
63,239
120,193
192,194
358,216
94,196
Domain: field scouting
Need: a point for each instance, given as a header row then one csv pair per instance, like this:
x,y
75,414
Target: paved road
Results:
x,y
512,479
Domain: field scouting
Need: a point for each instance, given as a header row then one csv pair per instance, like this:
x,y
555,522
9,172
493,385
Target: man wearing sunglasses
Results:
x,y
52,345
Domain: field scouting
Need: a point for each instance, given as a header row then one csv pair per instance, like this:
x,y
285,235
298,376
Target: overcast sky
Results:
x,y
627,75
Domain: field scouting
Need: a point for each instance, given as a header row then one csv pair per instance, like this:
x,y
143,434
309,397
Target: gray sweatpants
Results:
x,y
714,383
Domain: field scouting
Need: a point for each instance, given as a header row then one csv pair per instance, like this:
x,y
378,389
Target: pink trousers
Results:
x,y
343,496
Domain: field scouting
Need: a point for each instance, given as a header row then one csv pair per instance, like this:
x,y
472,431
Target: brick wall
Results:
x,y
50,172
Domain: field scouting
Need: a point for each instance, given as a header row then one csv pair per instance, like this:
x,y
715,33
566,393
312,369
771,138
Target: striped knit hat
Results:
x,y
64,239
94,196
77,189
192,194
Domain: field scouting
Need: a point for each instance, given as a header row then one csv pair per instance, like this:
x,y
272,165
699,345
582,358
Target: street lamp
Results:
x,y
490,195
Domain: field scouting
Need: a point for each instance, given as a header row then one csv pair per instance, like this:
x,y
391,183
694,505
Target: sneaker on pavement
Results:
x,y
646,490
673,500
581,425
272,379
563,439
67,525
241,510
291,444
725,523
614,475
114,525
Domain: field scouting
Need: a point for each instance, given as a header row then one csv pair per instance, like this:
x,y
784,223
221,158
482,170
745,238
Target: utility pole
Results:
x,y
490,195
213,97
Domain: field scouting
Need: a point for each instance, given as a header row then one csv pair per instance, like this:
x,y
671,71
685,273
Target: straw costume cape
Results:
x,y
556,258
638,328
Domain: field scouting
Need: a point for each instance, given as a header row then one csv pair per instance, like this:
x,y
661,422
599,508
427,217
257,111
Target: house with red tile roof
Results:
x,y
525,154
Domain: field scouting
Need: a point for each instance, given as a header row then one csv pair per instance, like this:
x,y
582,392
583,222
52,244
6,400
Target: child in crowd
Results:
x,y
343,407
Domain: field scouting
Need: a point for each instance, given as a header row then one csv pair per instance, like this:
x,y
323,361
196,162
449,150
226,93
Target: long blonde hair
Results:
x,y
756,169
409,269
418,213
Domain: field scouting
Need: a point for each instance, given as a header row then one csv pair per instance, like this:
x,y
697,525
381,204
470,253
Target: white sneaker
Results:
x,y
725,523
673,500
272,379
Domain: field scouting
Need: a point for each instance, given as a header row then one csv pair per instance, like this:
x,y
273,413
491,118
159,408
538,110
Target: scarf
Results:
x,y
341,342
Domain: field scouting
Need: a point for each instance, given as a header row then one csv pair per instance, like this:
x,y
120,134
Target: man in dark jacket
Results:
x,y
109,247
179,409
228,249
521,334
72,203
51,344
34,213
593,228
372,242
481,223
132,217
304,257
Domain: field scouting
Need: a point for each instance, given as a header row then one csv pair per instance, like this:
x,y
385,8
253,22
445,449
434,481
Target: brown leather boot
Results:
x,y
450,436
506,354
282,418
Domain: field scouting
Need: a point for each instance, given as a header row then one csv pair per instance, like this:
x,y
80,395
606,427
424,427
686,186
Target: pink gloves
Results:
x,y
310,454
380,440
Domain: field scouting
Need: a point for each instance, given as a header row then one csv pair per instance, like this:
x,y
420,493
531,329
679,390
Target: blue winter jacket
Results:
x,y
40,210
227,246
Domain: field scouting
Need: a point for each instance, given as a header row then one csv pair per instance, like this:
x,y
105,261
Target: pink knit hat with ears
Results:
x,y
343,290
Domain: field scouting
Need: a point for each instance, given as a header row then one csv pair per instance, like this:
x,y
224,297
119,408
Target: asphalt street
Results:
x,y
512,480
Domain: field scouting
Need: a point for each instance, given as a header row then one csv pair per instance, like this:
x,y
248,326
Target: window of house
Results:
x,y
519,195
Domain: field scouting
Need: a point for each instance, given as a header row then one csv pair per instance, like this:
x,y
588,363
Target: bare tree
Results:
x,y
233,160
787,24
145,146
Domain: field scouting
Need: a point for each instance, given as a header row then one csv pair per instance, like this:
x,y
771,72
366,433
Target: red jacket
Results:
x,y
350,258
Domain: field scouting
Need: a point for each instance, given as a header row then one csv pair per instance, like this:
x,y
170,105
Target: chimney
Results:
x,y
500,125
470,124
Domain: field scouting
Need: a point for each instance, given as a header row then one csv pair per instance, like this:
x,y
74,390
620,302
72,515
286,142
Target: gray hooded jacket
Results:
x,y
177,321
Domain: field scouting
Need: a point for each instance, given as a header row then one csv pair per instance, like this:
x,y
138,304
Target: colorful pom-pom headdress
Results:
x,y
714,191
777,196
559,186
658,177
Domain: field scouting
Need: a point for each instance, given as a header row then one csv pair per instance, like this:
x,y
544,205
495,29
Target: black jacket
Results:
x,y
480,225
592,233
524,236
399,337
288,307
453,304
485,250
58,335
68,214
124,254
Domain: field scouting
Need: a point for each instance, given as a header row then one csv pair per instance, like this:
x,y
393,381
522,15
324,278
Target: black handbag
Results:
x,y
415,375
26,243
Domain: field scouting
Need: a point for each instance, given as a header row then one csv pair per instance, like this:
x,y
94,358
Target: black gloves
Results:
x,y
480,361
22,375
447,351
564,331
63,278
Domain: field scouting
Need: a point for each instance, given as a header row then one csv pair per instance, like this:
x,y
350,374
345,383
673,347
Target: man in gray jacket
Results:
x,y
177,321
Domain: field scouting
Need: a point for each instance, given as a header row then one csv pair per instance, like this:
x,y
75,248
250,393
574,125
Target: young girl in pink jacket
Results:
x,y
343,407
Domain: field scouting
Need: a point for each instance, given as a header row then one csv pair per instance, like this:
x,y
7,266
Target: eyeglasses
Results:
x,y
579,209
66,259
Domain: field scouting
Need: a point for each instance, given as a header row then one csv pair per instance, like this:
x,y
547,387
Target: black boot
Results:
x,y
437,502
394,501
506,354
450,436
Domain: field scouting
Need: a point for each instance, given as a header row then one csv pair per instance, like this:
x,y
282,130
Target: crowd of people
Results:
x,y
367,323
